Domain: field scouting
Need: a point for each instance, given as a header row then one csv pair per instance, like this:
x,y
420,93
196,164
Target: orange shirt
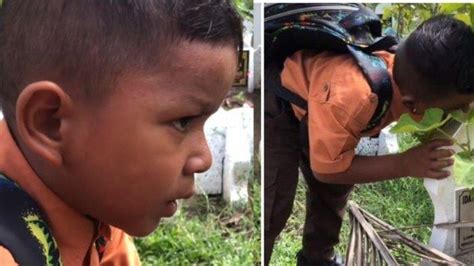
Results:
x,y
73,231
340,104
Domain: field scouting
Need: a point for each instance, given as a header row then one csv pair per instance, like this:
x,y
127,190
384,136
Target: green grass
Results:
x,y
401,203
207,232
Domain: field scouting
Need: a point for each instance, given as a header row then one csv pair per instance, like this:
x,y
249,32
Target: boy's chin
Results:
x,y
143,229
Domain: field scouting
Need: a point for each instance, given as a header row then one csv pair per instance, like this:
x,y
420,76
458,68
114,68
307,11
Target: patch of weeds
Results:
x,y
206,232
401,203
289,241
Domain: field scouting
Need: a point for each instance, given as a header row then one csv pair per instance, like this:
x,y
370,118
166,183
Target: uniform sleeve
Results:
x,y
340,104
335,123
120,250
6,258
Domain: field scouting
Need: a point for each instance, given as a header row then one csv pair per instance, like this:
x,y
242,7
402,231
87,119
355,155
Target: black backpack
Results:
x,y
340,28
23,230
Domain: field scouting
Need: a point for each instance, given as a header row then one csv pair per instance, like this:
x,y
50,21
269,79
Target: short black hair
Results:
x,y
441,51
87,44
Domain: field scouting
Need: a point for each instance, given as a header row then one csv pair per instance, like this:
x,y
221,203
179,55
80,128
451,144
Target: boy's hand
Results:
x,y
428,160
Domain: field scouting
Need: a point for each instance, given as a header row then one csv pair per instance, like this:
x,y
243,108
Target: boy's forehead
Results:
x,y
198,56
198,100
198,76
196,67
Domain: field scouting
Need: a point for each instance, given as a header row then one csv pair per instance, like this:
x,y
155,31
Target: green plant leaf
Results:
x,y
472,16
433,118
387,13
449,8
470,117
464,18
425,14
463,170
459,116
463,117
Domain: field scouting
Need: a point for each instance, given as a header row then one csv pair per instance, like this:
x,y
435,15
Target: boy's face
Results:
x,y
127,161
455,102
449,103
415,94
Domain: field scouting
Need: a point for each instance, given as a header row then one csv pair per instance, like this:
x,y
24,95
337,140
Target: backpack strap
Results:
x,y
23,230
376,74
273,81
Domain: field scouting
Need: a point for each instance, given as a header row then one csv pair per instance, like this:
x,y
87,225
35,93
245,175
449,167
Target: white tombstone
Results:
x,y
257,43
238,155
210,182
452,204
248,47
230,138
386,143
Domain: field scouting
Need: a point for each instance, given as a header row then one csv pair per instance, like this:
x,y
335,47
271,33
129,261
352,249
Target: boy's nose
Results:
x,y
201,160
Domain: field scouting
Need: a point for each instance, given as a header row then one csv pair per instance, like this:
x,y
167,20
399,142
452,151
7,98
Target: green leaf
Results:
x,y
464,18
433,118
425,14
463,117
472,16
449,8
387,13
470,117
459,116
463,170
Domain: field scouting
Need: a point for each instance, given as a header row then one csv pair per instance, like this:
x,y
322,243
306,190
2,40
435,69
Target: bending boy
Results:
x,y
434,67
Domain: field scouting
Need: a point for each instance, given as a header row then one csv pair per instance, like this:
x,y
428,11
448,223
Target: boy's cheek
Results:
x,y
125,180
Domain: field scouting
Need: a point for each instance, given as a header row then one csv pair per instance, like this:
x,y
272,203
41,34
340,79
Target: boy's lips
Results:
x,y
172,205
171,208
187,195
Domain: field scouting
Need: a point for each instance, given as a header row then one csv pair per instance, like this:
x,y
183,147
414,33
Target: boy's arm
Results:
x,y
425,160
6,257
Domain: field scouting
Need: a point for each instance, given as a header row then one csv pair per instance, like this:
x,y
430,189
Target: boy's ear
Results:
x,y
40,112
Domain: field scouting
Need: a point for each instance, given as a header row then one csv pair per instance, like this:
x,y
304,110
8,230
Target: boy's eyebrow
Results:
x,y
204,105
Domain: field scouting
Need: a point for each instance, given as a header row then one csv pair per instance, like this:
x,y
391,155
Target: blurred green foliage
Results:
x,y
404,18
207,231
245,8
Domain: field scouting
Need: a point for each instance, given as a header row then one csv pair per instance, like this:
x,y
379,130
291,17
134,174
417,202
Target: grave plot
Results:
x,y
453,224
230,136
374,242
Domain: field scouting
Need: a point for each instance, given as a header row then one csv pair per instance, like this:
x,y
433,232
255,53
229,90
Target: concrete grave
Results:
x,y
230,138
452,204
238,155
210,182
386,143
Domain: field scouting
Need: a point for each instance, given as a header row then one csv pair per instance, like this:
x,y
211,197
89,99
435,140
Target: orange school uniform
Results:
x,y
340,105
75,233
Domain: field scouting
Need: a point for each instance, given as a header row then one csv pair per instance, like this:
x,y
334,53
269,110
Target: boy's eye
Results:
x,y
181,124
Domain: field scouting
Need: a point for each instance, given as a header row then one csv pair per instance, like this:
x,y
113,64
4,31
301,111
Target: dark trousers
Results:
x,y
285,151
